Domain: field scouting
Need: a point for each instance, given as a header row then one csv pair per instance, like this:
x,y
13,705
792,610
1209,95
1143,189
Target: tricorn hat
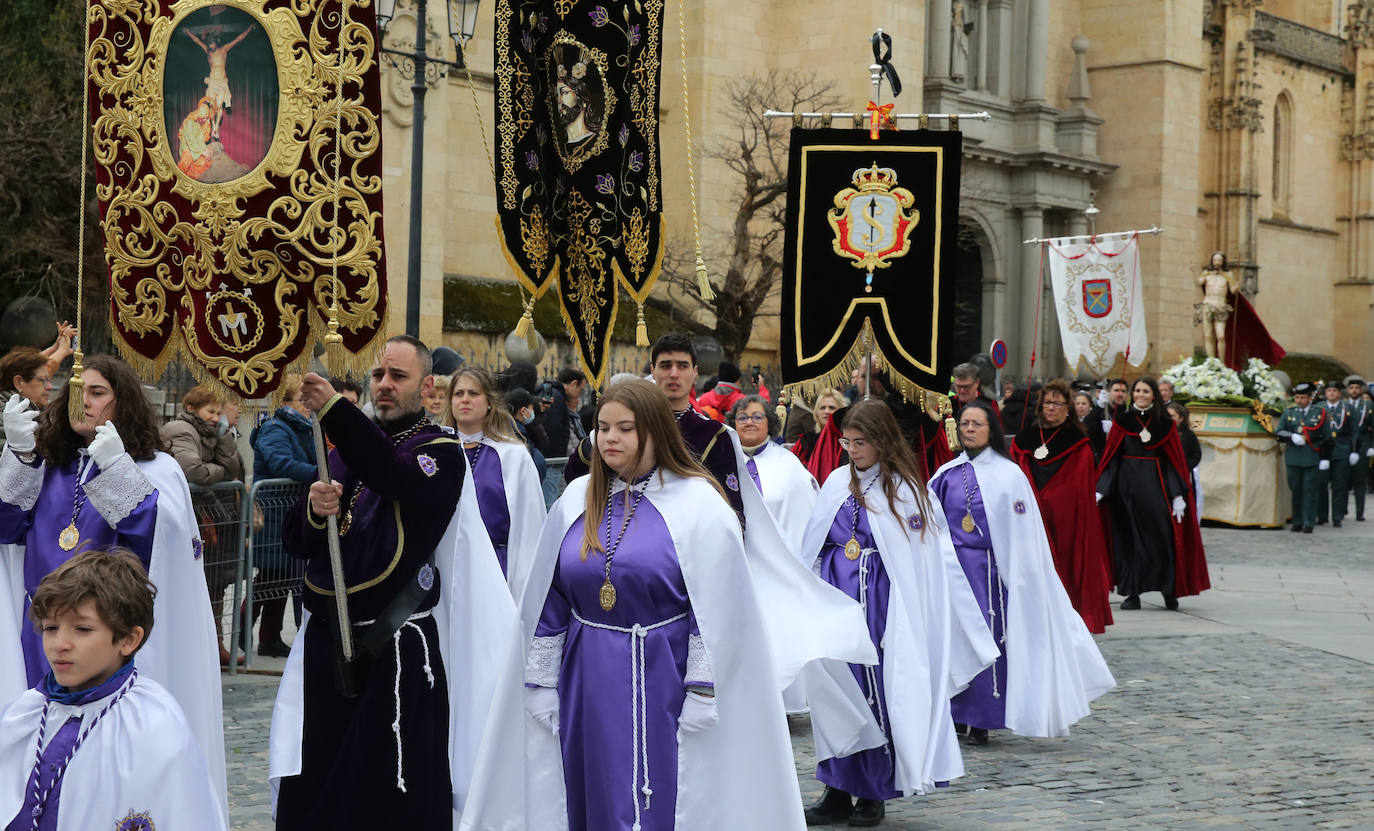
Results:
x,y
1303,388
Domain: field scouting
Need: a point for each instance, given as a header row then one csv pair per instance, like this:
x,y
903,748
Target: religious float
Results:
x,y
1232,413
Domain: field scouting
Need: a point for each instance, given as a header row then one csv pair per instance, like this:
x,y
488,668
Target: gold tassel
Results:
x,y
703,283
76,402
334,353
641,330
524,327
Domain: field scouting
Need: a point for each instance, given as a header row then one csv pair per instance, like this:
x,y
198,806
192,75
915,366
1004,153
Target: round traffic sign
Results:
x,y
998,352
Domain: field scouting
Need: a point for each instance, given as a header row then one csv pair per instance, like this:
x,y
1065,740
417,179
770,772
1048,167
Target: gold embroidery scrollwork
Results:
x,y
176,245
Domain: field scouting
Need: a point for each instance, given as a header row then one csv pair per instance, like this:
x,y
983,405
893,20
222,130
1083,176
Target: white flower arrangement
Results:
x,y
1206,380
1261,384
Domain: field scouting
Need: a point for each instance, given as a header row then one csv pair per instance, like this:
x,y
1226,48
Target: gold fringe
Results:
x,y
76,402
641,330
703,282
840,376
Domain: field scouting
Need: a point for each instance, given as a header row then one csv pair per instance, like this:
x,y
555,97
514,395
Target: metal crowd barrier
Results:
x,y
219,510
266,572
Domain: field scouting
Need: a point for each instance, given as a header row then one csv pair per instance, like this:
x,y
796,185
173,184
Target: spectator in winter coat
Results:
x,y
283,448
722,398
209,457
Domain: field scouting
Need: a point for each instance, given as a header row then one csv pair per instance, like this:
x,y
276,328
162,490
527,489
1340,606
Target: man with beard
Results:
x,y
395,492
578,113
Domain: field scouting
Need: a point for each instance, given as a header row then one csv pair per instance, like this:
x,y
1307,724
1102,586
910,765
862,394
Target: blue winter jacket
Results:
x,y
284,448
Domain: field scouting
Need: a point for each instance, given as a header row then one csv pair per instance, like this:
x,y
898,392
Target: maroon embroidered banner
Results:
x,y
233,231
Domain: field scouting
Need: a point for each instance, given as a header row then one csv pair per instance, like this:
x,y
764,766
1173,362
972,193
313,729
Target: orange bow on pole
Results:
x,y
877,117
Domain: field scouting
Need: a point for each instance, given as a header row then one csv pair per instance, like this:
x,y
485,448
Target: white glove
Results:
x,y
1097,497
1370,453
1298,440
106,447
1106,427
542,705
698,713
1354,458
1179,506
21,422
1102,398
1324,464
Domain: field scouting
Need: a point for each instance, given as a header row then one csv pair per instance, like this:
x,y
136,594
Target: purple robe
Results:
x,y
868,773
976,706
491,497
38,528
594,681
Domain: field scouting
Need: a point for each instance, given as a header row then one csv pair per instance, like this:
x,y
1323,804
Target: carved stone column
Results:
x,y
1235,111
938,21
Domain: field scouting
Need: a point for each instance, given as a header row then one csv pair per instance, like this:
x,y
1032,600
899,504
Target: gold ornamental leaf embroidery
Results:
x,y
534,236
637,243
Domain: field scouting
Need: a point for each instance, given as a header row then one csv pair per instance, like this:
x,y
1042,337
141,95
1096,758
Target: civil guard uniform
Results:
x,y
1362,417
1307,431
1334,495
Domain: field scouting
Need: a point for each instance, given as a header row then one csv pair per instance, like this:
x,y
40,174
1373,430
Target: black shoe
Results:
x,y
960,730
867,813
277,649
1321,522
834,807
1307,530
1131,602
1171,602
1335,523
978,735
1359,519
1297,529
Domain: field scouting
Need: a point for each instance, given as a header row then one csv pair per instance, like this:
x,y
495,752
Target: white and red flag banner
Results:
x,y
1098,295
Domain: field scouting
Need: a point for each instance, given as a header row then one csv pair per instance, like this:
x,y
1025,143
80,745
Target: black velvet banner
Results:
x,y
870,256
577,168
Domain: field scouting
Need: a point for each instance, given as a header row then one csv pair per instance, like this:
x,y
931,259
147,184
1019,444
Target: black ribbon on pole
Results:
x,y
882,56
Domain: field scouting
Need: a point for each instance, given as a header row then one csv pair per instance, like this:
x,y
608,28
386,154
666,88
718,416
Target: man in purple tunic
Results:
x,y
396,486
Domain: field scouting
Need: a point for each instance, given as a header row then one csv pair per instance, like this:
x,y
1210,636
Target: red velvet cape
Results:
x,y
1073,523
1247,337
1190,563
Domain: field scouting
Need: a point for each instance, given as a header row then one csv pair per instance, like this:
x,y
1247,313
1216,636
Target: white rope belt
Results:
x,y
396,685
639,732
992,618
870,672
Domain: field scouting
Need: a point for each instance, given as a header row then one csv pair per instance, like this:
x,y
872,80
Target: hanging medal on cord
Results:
x,y
1043,451
852,549
607,594
70,536
1144,430
968,524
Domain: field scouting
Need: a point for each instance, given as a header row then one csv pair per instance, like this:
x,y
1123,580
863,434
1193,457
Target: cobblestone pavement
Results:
x,y
1215,723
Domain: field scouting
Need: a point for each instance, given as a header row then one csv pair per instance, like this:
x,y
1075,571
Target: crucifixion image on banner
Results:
x,y
221,91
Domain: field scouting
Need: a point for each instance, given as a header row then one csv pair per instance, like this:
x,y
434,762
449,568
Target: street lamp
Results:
x,y
416,64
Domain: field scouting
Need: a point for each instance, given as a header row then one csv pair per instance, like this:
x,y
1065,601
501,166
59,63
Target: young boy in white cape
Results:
x,y
95,745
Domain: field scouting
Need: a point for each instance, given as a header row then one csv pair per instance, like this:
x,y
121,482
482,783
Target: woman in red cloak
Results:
x,y
1057,458
1149,507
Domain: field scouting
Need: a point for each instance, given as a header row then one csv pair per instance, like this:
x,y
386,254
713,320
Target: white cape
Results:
x,y
935,640
789,491
479,639
525,503
738,773
1053,665
180,653
140,758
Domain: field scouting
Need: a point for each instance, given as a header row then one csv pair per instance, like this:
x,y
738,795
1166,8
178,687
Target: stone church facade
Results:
x,y
1234,125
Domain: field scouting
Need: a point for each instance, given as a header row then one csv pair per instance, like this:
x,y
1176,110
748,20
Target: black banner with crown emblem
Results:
x,y
869,256
577,169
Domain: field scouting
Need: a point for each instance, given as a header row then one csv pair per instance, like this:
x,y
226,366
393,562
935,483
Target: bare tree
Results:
x,y
748,270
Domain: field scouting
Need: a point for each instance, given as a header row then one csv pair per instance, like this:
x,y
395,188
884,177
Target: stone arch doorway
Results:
x,y
971,254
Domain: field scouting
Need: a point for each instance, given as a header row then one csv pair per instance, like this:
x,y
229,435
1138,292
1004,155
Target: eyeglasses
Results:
x,y
1053,405
972,424
965,387
751,419
45,380
853,444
